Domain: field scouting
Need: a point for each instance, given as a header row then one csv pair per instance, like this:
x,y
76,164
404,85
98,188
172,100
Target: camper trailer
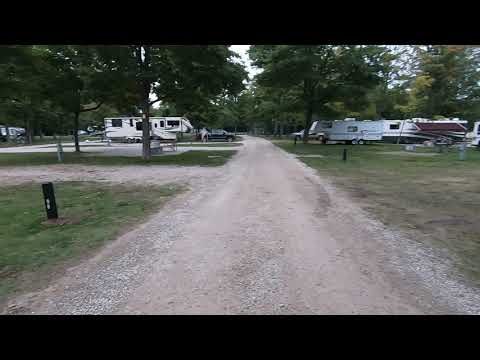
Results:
x,y
14,133
130,128
476,134
350,131
418,130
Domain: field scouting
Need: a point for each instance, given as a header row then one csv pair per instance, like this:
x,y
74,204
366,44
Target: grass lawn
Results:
x,y
433,197
97,213
189,158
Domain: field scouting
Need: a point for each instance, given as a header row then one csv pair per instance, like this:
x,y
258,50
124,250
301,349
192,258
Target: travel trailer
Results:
x,y
476,134
349,130
130,128
418,130
14,132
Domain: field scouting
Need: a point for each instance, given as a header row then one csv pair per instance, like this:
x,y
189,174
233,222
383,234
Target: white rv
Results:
x,y
350,131
130,128
13,132
418,130
476,134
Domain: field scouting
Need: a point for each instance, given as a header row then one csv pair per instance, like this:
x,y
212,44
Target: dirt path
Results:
x,y
264,235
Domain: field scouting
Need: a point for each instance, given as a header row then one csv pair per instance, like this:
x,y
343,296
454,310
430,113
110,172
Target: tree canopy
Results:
x,y
61,88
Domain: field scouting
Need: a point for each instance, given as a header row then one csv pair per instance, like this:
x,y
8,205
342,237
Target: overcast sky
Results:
x,y
242,51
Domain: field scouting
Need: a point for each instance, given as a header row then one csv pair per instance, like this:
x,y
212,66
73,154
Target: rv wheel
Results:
x,y
354,142
321,138
138,141
361,142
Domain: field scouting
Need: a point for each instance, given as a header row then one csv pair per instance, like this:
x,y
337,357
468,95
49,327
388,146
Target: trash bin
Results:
x,y
155,147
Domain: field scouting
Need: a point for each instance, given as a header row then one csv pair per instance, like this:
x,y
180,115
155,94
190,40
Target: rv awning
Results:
x,y
440,127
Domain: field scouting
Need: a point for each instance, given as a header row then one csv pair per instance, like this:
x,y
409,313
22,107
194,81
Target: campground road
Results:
x,y
264,234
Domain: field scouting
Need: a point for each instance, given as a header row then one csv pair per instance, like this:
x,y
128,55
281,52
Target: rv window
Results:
x,y
327,125
131,122
394,126
162,123
117,122
352,128
139,125
173,123
156,125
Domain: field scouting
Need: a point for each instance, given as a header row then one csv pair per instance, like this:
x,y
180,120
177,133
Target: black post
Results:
x,y
344,154
295,140
50,204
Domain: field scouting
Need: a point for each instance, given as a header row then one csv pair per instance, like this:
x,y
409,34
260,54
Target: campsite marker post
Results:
x,y
344,154
59,151
462,151
50,203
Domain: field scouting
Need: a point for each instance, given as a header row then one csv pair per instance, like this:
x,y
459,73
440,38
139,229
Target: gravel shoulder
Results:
x,y
264,234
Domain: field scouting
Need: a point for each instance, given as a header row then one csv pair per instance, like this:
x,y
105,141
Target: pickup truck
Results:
x,y
317,136
220,134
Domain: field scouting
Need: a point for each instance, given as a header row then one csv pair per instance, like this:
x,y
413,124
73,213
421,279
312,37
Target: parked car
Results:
x,y
220,134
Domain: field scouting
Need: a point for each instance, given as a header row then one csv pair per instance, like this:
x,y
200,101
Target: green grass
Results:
x,y
210,144
189,158
30,249
435,197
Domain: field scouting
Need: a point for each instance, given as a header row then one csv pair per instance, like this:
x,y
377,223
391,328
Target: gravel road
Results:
x,y
263,234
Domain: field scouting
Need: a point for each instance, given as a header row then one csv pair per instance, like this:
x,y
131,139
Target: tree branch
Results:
x,y
154,101
9,98
92,108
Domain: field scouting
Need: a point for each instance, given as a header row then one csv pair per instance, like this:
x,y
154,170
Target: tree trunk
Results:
x,y
281,130
308,122
28,131
75,131
7,129
146,153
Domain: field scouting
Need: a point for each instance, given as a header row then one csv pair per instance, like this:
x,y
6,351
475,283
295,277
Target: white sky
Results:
x,y
242,51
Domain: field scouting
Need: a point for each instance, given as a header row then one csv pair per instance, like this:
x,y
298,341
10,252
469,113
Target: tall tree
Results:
x,y
79,81
22,95
449,82
323,73
181,75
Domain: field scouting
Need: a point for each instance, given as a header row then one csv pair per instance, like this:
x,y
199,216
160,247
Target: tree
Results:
x,y
442,81
78,81
323,74
22,94
179,75
449,80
